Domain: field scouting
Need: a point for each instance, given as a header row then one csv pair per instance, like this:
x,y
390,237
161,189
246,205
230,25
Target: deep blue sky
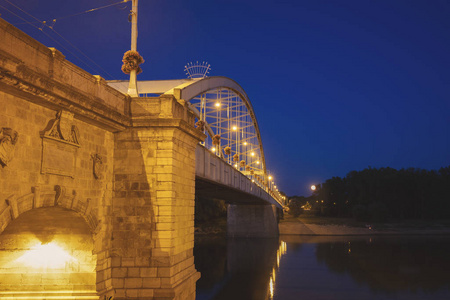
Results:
x,y
336,85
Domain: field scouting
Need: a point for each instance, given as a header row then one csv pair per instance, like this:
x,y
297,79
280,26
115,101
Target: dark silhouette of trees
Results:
x,y
378,194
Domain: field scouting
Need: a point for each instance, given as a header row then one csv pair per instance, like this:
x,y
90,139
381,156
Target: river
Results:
x,y
296,267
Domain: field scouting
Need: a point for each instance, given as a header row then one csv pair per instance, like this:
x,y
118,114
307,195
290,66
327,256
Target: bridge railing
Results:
x,y
214,168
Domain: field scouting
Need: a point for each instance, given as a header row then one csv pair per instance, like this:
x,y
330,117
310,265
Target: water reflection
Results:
x,y
324,268
390,264
237,268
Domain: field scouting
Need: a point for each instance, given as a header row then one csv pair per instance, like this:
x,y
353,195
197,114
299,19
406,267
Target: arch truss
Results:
x,y
226,116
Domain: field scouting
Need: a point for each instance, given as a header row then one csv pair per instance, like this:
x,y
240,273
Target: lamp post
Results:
x,y
132,86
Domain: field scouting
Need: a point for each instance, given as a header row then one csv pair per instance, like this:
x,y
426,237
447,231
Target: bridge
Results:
x,y
98,188
230,162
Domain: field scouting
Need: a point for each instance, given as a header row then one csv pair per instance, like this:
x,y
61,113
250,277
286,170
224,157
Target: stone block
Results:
x,y
148,272
119,272
133,272
131,283
151,282
118,283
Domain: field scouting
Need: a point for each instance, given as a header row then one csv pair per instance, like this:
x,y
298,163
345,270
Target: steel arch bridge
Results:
x,y
224,113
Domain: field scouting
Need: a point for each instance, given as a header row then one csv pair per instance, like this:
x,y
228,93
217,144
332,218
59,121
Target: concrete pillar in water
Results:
x,y
152,211
252,221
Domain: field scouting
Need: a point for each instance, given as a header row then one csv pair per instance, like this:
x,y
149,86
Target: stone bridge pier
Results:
x,y
152,217
247,220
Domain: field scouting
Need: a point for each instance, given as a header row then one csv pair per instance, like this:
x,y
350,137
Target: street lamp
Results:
x,y
313,187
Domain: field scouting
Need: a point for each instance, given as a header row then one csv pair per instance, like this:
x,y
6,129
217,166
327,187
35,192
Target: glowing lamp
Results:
x,y
50,256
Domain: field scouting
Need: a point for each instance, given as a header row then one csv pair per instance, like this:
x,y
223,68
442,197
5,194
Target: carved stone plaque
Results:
x,y
59,146
58,157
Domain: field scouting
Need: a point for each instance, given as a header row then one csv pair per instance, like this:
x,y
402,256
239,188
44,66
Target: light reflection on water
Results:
x,y
297,267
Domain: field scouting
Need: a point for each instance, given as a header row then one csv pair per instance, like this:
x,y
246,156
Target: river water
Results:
x,y
316,268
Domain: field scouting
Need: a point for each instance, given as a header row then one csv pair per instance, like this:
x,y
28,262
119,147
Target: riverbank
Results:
x,y
308,225
332,226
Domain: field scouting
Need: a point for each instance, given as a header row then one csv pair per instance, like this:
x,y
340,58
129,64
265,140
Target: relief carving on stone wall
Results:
x,y
8,140
60,141
97,165
63,128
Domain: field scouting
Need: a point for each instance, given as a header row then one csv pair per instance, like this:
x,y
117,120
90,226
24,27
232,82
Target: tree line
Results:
x,y
378,194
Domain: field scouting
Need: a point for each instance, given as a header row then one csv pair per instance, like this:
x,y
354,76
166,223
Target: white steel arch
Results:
x,y
226,109
233,110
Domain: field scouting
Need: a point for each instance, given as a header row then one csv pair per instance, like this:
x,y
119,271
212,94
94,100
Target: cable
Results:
x,y
68,16
81,53
44,24
48,37
51,27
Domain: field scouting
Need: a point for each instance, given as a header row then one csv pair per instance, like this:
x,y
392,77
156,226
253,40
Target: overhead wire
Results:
x,y
44,24
72,15
48,37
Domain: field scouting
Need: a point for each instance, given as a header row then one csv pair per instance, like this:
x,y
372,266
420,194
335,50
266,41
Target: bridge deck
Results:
x,y
215,178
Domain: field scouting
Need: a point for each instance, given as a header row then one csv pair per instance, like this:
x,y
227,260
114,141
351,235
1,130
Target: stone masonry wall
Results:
x,y
24,170
69,140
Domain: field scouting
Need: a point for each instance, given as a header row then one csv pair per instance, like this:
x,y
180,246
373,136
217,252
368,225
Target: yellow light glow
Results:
x,y
234,128
271,288
253,180
253,153
217,104
49,256
235,165
270,177
313,187
213,149
278,258
245,143
257,162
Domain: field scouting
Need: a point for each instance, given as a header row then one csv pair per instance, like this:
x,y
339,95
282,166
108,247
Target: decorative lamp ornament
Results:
x,y
131,61
236,157
227,150
200,125
216,139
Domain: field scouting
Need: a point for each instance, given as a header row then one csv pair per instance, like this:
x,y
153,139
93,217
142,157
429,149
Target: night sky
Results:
x,y
336,85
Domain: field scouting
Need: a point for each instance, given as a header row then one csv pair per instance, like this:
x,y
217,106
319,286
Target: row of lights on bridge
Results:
x,y
271,182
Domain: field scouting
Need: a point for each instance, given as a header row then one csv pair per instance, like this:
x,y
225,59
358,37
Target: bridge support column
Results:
x,y
252,221
152,210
